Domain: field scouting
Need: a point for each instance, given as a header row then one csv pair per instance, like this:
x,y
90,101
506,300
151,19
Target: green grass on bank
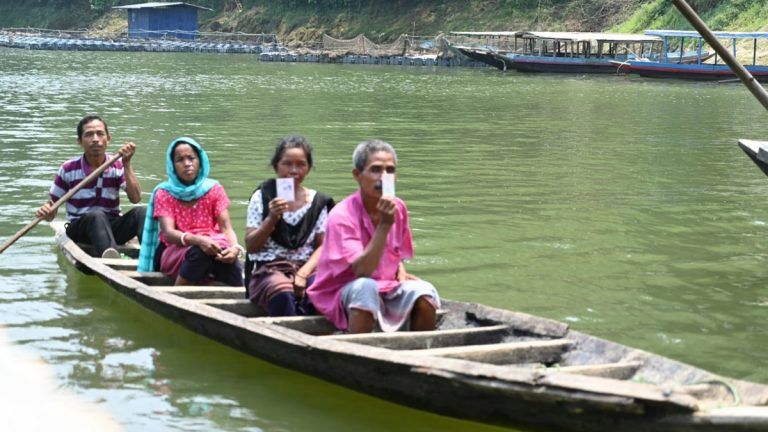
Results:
x,y
734,15
54,14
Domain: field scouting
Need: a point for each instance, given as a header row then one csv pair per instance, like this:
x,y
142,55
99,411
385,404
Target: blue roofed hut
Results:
x,y
161,19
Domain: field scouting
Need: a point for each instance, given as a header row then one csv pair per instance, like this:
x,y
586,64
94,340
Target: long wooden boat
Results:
x,y
484,46
699,68
482,363
690,71
575,52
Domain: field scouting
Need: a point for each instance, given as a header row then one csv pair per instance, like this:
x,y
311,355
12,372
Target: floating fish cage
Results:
x,y
150,45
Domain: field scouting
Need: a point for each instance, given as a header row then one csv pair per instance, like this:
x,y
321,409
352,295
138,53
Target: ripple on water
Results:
x,y
27,312
36,333
128,366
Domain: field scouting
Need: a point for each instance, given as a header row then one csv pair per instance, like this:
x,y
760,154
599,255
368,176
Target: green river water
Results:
x,y
619,205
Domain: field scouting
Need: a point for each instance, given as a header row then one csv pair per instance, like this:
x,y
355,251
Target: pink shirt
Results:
x,y
348,231
198,219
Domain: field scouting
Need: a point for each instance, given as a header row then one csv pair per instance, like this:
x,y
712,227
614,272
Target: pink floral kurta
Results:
x,y
199,219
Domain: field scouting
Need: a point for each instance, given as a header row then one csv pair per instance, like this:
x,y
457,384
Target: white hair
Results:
x,y
366,148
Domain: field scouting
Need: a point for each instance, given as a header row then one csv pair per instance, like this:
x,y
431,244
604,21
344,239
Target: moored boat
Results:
x,y
481,363
483,55
704,66
576,52
482,46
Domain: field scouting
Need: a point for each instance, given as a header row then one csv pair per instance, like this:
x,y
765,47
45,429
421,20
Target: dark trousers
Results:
x,y
103,231
197,266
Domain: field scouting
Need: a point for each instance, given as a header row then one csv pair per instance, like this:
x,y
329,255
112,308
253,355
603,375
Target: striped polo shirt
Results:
x,y
102,194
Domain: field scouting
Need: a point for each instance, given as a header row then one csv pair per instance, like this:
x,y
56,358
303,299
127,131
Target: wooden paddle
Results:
x,y
91,177
757,90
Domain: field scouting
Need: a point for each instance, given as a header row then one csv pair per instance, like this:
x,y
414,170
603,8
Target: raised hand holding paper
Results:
x,y
388,184
285,189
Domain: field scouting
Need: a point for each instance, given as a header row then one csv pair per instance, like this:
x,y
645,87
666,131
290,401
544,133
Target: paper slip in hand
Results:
x,y
388,184
285,189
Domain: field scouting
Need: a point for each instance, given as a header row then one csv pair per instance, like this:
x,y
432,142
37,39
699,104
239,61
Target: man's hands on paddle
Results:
x,y
45,212
127,150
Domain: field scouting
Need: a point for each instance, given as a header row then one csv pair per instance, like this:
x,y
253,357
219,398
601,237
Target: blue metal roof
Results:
x,y
155,5
719,34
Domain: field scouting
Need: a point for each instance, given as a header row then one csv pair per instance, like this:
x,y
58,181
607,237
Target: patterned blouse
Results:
x,y
272,251
200,219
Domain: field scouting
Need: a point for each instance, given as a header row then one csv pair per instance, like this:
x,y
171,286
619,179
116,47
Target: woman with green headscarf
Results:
x,y
188,234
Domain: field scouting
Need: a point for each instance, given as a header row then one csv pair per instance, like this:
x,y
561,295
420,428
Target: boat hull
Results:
x,y
483,56
700,72
393,368
562,65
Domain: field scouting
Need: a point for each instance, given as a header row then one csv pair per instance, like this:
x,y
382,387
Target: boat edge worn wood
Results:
x,y
482,363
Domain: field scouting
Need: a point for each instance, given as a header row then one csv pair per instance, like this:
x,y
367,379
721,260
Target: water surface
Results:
x,y
619,205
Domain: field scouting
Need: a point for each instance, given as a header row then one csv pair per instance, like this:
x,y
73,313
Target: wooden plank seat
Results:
x,y
428,339
203,292
618,370
315,325
148,278
243,307
120,263
159,279
546,352
130,249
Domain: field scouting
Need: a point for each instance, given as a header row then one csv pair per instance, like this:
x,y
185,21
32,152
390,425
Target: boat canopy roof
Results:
x,y
719,34
493,33
591,36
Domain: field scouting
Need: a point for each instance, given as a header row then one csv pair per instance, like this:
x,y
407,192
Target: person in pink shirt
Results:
x,y
361,282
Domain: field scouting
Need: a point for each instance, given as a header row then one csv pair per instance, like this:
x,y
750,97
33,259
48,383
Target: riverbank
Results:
x,y
304,23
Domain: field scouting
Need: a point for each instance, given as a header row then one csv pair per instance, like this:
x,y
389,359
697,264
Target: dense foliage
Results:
x,y
387,19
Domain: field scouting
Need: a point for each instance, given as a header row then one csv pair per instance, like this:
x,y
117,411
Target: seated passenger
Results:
x,y
361,279
284,238
196,239
93,213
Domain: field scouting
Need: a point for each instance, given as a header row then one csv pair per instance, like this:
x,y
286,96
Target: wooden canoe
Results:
x,y
482,363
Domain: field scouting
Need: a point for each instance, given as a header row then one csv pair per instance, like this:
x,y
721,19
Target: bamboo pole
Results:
x,y
757,90
91,177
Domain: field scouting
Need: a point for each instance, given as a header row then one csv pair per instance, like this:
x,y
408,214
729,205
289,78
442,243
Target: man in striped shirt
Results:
x,y
93,213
